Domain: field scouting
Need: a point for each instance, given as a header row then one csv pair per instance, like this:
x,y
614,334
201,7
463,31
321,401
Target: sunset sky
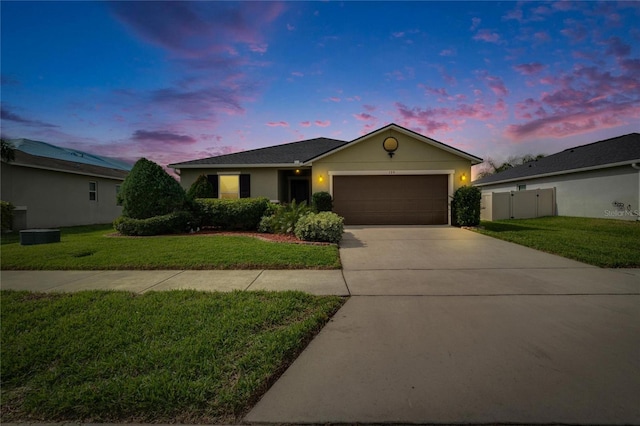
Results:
x,y
176,81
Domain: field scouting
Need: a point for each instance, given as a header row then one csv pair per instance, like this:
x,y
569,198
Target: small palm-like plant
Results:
x,y
285,218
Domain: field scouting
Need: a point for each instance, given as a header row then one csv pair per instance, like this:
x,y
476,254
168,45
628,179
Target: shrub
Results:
x,y
172,223
201,188
285,218
149,191
466,205
323,226
322,201
242,214
7,215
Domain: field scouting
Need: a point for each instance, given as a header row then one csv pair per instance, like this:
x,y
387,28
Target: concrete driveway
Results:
x,y
449,326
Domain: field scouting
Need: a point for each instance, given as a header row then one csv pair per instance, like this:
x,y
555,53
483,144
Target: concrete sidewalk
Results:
x,y
447,326
318,282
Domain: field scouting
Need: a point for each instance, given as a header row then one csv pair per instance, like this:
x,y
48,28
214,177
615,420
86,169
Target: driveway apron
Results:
x,y
449,326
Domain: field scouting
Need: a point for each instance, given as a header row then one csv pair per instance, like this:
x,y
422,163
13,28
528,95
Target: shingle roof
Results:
x,y
619,150
46,156
302,151
47,150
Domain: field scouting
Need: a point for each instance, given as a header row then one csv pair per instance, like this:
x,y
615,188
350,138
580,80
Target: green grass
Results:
x,y
89,247
607,243
179,356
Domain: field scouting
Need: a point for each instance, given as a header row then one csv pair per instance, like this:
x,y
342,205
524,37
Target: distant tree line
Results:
x,y
490,166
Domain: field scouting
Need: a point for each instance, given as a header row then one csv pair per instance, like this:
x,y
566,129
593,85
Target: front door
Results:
x,y
299,190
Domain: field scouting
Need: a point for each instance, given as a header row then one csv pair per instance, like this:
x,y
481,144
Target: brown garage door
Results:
x,y
391,200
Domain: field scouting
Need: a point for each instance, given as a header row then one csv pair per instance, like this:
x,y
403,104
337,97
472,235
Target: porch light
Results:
x,y
390,145
320,178
463,177
297,171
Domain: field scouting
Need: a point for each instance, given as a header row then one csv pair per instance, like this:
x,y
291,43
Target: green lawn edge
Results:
x,y
607,243
95,248
179,356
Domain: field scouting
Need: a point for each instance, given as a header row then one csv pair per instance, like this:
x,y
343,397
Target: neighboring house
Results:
x,y
52,186
599,180
390,176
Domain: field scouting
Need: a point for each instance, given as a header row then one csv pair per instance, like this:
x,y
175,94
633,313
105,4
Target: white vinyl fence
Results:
x,y
518,204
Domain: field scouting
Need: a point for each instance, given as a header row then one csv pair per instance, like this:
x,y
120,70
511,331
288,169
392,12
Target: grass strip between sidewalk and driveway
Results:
x,y
608,243
175,356
91,248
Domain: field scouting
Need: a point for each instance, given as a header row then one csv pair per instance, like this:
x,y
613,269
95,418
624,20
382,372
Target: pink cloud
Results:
x,y
305,123
334,99
277,124
369,108
531,68
488,36
617,47
325,123
541,36
580,101
364,116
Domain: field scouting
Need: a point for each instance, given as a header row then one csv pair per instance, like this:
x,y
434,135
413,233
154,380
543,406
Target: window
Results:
x,y
93,191
522,187
229,187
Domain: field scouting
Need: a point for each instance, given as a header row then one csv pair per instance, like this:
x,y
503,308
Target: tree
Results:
x,y
490,166
149,191
7,151
201,188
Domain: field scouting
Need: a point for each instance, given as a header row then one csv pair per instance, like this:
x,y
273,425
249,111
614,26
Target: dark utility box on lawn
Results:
x,y
30,237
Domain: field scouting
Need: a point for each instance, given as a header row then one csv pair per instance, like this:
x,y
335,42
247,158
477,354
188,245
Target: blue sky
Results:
x,y
175,81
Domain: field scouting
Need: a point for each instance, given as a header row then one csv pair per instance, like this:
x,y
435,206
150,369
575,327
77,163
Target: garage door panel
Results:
x,y
392,200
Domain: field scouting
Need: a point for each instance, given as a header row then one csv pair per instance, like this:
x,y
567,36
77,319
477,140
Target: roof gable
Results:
x,y
410,133
620,150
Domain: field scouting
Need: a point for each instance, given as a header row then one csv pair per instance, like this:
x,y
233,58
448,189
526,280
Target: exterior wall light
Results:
x,y
320,178
390,145
463,177
297,171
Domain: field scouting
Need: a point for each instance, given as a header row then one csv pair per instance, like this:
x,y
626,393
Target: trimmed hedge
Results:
x,y
172,223
7,215
466,205
323,226
322,201
243,214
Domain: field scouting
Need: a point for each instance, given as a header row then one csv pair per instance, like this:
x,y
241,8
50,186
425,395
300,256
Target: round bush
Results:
x,y
324,226
149,191
201,188
322,201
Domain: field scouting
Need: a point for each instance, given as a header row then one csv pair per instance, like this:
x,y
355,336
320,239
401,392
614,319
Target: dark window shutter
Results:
x,y
245,186
213,179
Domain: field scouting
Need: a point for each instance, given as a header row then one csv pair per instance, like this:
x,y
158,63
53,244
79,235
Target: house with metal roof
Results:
x,y
600,180
389,176
51,186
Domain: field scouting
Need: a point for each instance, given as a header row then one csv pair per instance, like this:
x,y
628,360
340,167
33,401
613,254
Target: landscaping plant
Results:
x,y
285,218
466,205
201,188
7,215
322,202
243,214
323,226
153,202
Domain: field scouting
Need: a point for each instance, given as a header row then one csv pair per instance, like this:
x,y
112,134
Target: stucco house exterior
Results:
x,y
599,180
389,176
52,186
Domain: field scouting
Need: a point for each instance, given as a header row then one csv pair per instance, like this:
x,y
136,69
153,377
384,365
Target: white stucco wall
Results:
x,y
55,199
588,194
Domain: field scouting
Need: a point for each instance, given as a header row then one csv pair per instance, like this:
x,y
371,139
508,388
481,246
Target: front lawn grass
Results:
x,y
608,243
176,356
90,247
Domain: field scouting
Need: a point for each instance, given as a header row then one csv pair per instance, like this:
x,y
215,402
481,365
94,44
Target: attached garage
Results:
x,y
392,199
